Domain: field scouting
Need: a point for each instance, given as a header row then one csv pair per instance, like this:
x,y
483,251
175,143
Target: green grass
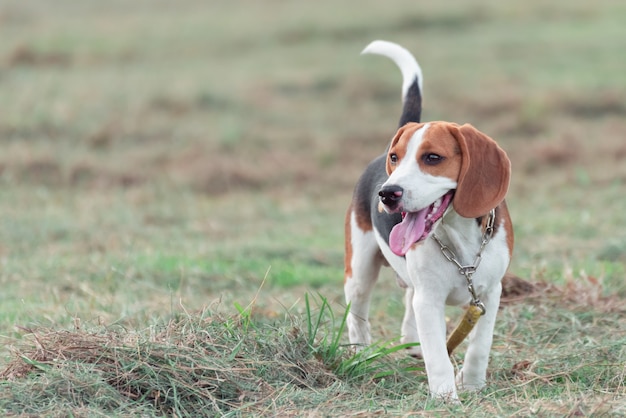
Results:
x,y
209,364
163,166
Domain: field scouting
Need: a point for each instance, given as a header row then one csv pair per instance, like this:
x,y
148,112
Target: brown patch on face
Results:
x,y
399,144
438,141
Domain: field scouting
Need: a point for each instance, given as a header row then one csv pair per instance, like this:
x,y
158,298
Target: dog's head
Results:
x,y
437,164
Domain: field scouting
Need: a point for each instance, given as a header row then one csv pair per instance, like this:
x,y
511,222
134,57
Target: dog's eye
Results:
x,y
393,159
432,159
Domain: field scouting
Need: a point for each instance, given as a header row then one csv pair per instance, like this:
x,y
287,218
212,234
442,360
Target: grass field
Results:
x,y
173,181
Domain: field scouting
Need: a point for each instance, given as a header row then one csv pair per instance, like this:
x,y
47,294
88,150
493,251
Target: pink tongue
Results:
x,y
408,232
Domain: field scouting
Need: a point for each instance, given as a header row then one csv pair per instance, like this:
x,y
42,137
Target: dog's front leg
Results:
x,y
473,375
431,326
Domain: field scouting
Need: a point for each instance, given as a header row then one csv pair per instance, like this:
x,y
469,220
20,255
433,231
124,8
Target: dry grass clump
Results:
x,y
583,292
187,367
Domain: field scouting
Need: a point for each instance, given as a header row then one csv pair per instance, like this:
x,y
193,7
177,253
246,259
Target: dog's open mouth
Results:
x,y
416,226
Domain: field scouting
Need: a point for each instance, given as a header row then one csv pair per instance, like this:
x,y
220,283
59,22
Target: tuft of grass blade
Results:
x,y
368,362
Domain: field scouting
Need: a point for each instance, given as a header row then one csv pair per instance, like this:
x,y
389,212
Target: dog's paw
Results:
x,y
468,383
446,396
415,352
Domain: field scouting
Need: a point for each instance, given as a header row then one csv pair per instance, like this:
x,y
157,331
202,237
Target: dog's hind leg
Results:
x,y
409,324
362,265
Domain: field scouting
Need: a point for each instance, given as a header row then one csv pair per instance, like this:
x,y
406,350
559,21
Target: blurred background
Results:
x,y
163,156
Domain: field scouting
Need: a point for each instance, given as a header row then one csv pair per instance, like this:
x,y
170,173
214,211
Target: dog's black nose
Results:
x,y
391,195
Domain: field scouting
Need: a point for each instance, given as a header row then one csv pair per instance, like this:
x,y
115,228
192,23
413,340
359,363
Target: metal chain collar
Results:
x,y
469,270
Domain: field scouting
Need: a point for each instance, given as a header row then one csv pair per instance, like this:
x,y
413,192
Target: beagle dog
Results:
x,y
435,180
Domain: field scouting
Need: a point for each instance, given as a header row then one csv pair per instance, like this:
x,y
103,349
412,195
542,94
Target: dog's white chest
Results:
x,y
431,270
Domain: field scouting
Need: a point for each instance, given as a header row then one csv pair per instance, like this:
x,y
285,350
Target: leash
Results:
x,y
476,308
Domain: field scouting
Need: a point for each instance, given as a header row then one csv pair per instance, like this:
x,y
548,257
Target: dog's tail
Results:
x,y
411,77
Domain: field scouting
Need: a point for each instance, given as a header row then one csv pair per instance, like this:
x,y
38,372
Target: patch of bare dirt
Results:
x,y
24,55
603,104
553,154
52,173
585,292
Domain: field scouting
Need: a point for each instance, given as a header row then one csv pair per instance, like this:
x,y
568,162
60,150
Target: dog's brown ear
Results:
x,y
485,173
